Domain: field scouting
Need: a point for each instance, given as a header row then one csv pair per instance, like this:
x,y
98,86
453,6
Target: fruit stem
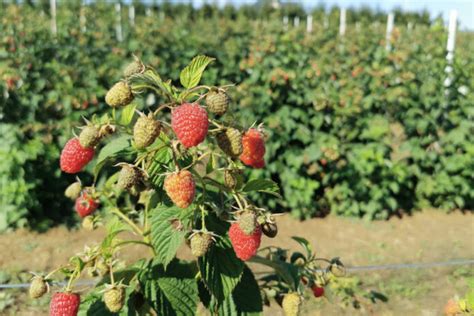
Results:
x,y
237,200
72,279
53,272
128,220
203,221
111,273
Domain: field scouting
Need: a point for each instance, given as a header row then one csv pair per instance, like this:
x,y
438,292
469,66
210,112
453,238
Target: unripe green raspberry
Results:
x,y
200,243
89,136
128,177
217,102
291,304
145,131
233,178
38,287
230,141
114,298
119,95
247,222
88,223
134,68
73,190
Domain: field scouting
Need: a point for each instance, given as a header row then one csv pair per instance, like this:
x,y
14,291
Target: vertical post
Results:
x,y
450,45
453,16
388,34
342,22
309,23
285,23
296,21
131,15
118,25
148,11
54,26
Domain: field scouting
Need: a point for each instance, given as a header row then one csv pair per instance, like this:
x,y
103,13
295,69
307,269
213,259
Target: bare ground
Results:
x,y
424,237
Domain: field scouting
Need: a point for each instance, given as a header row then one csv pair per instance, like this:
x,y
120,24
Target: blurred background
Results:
x,y
369,107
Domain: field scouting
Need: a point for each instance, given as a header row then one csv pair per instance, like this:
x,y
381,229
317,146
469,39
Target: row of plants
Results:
x,y
357,130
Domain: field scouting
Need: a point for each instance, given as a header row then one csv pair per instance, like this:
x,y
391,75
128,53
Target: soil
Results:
x,y
428,236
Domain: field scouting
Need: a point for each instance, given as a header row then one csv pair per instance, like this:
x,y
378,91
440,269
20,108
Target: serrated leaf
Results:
x,y
111,150
192,73
262,185
221,269
127,114
171,292
166,236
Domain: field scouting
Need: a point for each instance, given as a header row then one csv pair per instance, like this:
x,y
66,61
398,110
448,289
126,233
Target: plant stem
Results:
x,y
128,220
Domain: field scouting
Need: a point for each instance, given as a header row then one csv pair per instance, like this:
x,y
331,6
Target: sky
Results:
x,y
465,8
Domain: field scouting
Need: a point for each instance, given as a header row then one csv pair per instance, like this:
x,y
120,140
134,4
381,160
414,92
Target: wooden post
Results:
x,y
388,34
54,26
342,22
309,23
118,25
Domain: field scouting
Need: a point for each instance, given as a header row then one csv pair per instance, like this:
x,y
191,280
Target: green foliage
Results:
x,y
356,130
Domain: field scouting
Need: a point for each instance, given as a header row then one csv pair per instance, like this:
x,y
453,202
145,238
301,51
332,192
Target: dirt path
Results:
x,y
425,237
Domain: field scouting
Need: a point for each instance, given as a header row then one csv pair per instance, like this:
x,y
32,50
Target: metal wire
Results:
x,y
400,266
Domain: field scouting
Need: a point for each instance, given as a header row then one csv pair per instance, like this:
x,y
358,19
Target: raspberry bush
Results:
x,y
169,175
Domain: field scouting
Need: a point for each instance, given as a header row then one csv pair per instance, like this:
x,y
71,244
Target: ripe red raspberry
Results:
x,y
181,188
190,124
317,291
85,204
253,149
64,304
245,246
74,157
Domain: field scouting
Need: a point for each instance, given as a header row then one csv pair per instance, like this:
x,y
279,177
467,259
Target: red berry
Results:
x,y
245,246
85,204
253,149
190,124
181,188
317,291
74,157
64,304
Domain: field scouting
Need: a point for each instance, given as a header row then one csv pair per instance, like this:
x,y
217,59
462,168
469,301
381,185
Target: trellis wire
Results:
x,y
399,266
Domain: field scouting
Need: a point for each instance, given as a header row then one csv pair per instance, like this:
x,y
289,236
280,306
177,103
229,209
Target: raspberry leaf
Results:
x,y
113,149
170,292
168,231
192,73
127,114
263,186
221,269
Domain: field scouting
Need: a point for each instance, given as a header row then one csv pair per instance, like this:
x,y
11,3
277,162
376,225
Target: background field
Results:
x,y
430,236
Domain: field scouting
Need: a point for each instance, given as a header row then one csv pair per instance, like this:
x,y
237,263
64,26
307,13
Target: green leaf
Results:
x,y
305,244
262,185
221,269
247,296
192,73
114,148
171,292
127,114
166,233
